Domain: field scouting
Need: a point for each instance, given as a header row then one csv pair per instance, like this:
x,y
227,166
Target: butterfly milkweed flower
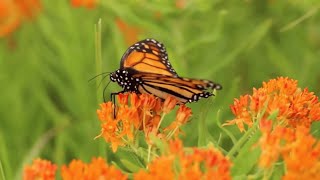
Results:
x,y
97,169
135,113
194,163
297,148
13,13
295,106
40,169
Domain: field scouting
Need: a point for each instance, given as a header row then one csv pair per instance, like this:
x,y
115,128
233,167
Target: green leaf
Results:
x,y
131,166
247,157
129,160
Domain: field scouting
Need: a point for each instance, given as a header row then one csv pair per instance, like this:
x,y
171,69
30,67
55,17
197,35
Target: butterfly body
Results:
x,y
145,68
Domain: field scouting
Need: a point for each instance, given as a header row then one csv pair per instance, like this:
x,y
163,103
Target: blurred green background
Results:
x,y
48,107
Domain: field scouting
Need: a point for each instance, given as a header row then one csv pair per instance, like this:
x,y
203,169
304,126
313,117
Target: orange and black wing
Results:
x,y
184,89
148,56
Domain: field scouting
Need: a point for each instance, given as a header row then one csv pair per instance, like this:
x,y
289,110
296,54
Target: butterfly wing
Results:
x,y
184,89
145,68
147,56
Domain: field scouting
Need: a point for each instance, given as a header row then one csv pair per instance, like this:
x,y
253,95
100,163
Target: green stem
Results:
x,y
162,117
149,152
251,131
242,140
98,58
130,144
172,132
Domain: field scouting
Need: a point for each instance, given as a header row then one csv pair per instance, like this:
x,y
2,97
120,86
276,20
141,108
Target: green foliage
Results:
x,y
47,106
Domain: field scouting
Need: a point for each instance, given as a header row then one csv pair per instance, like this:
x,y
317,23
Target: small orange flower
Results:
x,y
143,113
148,101
240,109
183,114
97,169
40,169
123,98
161,168
169,104
75,170
295,106
135,102
85,3
194,164
110,127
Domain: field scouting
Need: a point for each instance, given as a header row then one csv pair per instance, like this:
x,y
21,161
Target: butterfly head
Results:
x,y
125,80
113,76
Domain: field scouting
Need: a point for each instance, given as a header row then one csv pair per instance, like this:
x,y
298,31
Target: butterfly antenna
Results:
x,y
104,90
99,75
103,79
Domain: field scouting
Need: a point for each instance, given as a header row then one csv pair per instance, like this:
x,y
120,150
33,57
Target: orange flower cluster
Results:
x,y
175,163
144,113
299,150
194,164
14,12
97,169
295,106
40,169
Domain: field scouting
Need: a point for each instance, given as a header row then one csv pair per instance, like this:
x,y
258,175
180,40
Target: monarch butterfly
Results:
x,y
145,68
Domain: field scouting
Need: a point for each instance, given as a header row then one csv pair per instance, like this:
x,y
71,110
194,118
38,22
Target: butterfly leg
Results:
x,y
113,99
